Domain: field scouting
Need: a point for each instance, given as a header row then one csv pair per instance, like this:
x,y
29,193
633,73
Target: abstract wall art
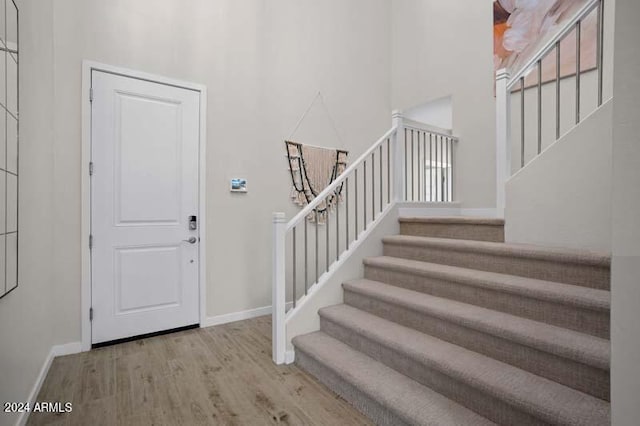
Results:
x,y
522,27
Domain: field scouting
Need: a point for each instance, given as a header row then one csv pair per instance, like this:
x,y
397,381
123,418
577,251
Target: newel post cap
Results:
x,y
503,74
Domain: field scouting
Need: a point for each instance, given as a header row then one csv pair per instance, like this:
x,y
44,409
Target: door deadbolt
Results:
x,y
193,223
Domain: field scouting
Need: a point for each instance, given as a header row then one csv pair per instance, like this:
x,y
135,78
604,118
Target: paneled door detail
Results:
x,y
144,207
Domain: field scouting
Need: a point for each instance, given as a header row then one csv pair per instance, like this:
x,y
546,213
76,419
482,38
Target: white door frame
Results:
x,y
85,294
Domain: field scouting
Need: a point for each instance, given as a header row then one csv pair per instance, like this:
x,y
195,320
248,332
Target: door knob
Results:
x,y
191,240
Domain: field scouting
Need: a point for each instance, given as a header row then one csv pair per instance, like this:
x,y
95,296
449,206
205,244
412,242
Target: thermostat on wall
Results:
x,y
238,185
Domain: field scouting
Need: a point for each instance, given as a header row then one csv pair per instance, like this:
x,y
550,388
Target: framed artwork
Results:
x,y
9,119
522,27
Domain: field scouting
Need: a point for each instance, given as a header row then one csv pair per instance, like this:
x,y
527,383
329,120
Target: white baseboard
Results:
x,y
57,350
289,356
238,316
444,209
427,212
67,349
488,212
427,209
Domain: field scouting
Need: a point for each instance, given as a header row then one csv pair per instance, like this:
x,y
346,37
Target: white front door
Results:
x,y
144,197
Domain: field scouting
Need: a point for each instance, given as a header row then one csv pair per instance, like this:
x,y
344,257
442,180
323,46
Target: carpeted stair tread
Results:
x,y
408,400
579,347
569,266
582,257
566,294
544,399
454,220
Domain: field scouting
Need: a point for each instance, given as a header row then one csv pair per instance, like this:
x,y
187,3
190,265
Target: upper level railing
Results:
x,y
429,160
528,88
410,162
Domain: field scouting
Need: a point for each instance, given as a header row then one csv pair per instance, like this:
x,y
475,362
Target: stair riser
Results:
x,y
475,399
549,270
337,384
580,319
579,376
454,231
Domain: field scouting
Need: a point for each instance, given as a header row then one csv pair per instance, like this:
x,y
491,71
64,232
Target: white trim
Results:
x,y
56,351
85,288
427,209
237,316
399,116
85,219
417,125
67,349
35,390
399,172
278,289
488,212
289,356
503,136
202,204
442,209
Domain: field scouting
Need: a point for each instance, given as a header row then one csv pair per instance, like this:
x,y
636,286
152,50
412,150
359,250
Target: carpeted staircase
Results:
x,y
452,326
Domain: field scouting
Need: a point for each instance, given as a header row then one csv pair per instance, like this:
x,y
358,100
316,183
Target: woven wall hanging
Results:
x,y
312,170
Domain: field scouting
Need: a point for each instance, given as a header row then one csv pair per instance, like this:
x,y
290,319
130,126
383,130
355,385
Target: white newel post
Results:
x,y
399,176
278,333
503,144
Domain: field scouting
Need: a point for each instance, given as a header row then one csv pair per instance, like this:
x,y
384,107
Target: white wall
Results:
x,y
442,48
263,62
438,112
561,198
625,295
28,315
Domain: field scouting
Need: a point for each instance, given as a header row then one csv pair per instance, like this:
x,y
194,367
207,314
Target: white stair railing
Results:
x,y
428,163
508,81
410,162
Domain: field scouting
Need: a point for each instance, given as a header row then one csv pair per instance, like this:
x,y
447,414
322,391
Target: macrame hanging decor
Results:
x,y
312,170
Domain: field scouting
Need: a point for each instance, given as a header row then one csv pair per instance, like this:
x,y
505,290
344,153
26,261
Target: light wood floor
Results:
x,y
213,376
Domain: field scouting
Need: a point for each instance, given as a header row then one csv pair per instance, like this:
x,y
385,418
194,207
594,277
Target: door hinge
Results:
x,y
90,241
90,168
91,94
91,314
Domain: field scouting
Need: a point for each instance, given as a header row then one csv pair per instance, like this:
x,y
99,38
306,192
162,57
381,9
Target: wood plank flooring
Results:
x,y
212,376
